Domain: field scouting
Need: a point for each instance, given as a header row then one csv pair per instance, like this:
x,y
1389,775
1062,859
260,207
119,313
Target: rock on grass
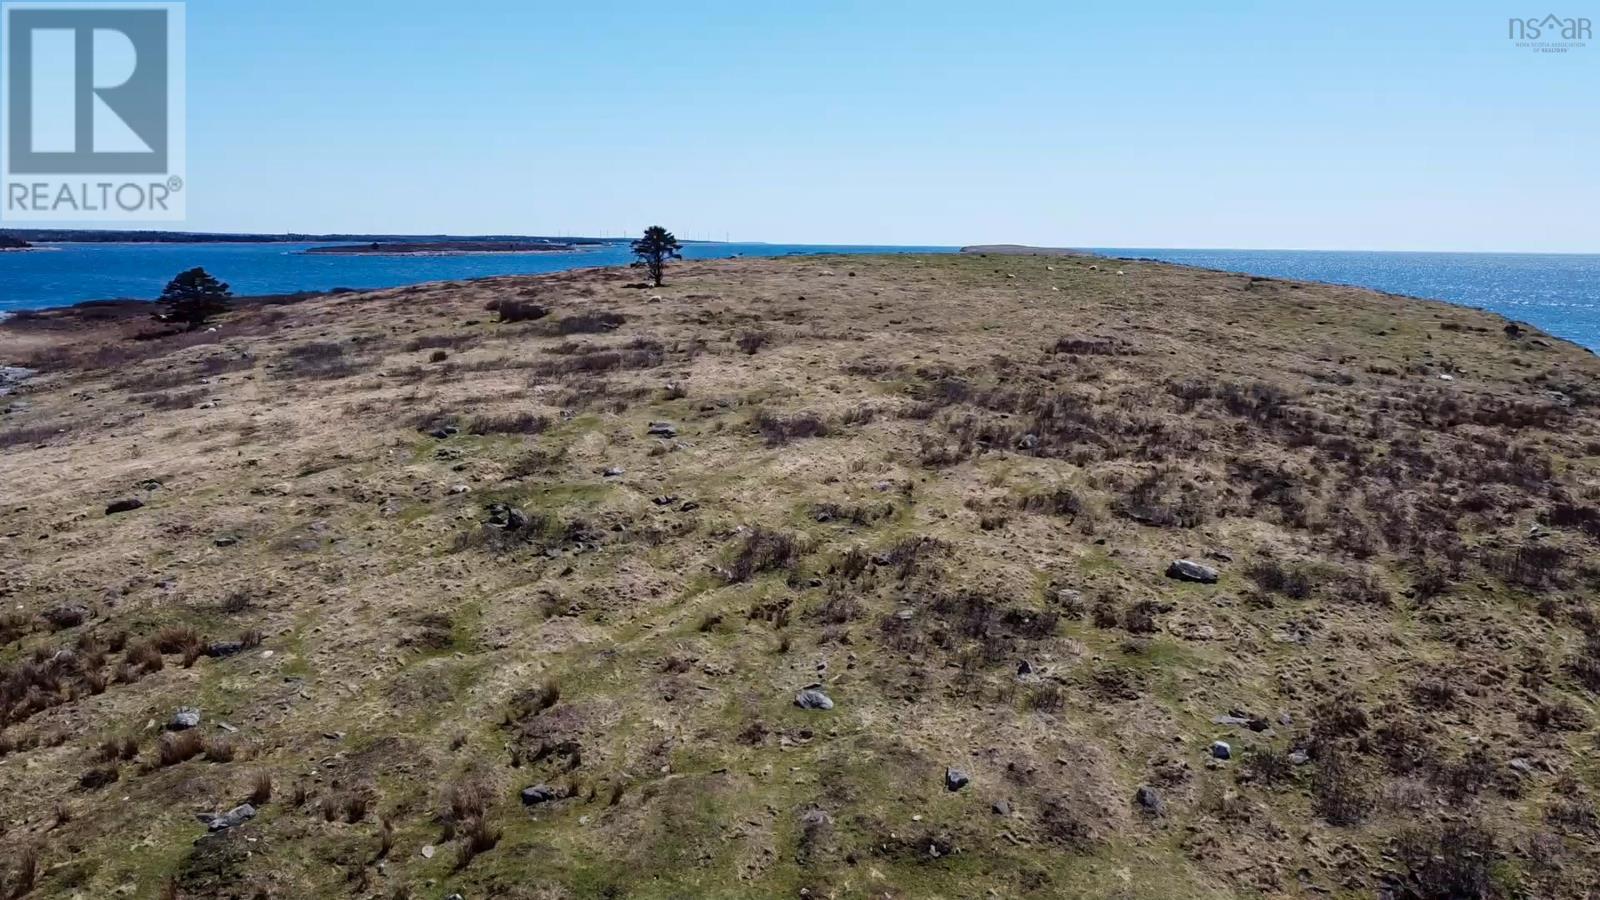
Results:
x,y
812,698
1189,570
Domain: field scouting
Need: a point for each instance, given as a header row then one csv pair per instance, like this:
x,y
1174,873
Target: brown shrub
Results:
x,y
1140,617
1585,663
98,777
520,311
38,434
778,430
176,638
220,750
752,341
260,788
318,360
1269,766
1340,791
1533,565
465,802
1060,502
537,461
26,874
763,550
1452,861
1434,693
1105,613
1558,715
355,806
385,838
123,748
144,657
517,423
589,323
175,747
477,837
528,703
637,355
1275,577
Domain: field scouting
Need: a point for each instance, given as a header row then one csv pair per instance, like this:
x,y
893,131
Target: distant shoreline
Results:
x,y
440,248
113,236
122,309
1025,250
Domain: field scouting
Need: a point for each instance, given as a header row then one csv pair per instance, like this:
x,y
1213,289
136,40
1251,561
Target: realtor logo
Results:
x,y
93,111
1550,34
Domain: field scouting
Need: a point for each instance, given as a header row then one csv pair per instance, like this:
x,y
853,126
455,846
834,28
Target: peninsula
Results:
x,y
966,575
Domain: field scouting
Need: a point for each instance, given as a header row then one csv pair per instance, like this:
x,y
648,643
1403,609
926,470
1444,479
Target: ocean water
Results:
x,y
1559,293
63,274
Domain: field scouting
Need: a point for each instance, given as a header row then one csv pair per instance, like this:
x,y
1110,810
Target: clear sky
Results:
x,y
1350,125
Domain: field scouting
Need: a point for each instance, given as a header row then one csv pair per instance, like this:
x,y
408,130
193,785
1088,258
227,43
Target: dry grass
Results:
x,y
260,788
947,496
175,748
477,837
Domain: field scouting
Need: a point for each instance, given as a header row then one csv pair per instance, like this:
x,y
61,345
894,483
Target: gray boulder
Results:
x,y
813,698
185,718
1221,750
219,649
539,793
233,818
955,779
1189,570
507,517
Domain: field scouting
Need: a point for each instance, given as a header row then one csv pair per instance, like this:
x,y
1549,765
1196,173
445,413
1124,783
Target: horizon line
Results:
x,y
1080,247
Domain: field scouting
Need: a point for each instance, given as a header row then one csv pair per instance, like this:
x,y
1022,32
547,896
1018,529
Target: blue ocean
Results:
x,y
63,274
1559,293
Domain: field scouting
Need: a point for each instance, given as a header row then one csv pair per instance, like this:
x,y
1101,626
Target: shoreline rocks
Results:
x,y
12,377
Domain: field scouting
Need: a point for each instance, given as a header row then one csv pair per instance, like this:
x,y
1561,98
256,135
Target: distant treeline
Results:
x,y
44,235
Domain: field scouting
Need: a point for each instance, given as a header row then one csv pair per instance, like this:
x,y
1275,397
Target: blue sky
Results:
x,y
1220,124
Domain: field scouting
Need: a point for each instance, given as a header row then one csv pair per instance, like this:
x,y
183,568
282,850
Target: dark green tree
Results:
x,y
654,249
193,298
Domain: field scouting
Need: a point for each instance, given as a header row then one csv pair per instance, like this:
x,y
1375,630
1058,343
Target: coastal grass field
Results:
x,y
408,553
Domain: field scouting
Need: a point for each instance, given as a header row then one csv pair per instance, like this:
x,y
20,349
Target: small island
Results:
x,y
444,248
7,242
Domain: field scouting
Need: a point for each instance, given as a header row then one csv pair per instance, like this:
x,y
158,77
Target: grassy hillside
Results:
x,y
406,559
